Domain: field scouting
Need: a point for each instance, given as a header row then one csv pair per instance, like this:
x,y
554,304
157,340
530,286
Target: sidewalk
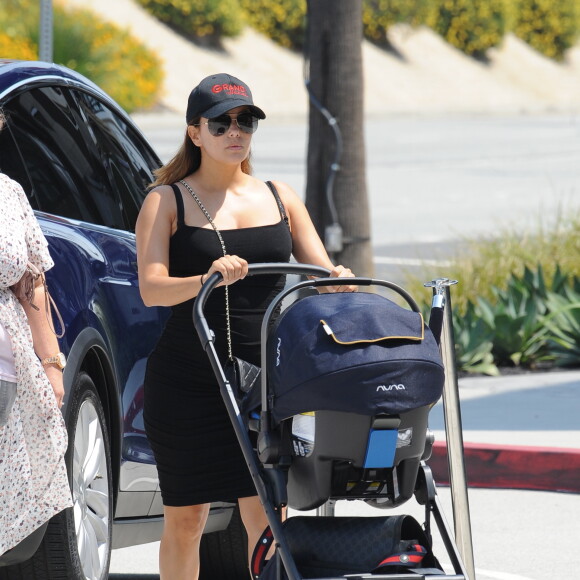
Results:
x,y
519,431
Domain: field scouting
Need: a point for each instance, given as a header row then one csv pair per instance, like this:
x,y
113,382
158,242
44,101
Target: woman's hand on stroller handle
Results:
x,y
340,272
319,276
214,277
231,268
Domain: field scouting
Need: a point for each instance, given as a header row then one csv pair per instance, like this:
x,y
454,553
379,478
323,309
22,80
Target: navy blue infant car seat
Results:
x,y
356,374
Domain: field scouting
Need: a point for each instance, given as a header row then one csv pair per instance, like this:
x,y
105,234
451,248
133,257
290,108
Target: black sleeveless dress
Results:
x,y
198,456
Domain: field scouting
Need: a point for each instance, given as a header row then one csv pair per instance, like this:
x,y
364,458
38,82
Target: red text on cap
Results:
x,y
229,89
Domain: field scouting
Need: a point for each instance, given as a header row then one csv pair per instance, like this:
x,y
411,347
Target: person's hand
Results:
x,y
232,268
340,272
54,375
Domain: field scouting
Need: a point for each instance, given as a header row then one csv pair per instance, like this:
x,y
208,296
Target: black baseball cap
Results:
x,y
217,94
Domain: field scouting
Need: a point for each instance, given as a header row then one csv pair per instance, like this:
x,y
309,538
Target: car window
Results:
x,y
127,157
10,161
65,174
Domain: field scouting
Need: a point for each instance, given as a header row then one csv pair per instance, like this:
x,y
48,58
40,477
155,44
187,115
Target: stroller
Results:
x,y
346,386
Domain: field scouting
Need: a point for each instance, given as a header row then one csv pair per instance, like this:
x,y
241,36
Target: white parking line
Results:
x,y
388,260
482,574
500,575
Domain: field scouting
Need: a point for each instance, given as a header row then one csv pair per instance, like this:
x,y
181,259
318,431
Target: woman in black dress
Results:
x,y
207,214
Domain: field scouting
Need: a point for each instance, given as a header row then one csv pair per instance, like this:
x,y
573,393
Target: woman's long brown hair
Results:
x,y
186,161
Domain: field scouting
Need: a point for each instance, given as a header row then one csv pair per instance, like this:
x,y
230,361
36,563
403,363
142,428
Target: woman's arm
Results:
x,y
44,340
153,232
306,243
155,225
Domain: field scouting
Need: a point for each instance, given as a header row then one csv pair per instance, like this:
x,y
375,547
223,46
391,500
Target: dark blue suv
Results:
x,y
85,168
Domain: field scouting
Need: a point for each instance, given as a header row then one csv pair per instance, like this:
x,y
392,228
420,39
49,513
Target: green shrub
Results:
x,y
471,26
205,21
547,26
473,343
515,319
281,20
130,73
483,263
17,17
531,324
109,56
17,47
502,298
379,15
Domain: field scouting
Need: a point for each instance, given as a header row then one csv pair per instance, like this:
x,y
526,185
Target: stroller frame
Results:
x,y
268,478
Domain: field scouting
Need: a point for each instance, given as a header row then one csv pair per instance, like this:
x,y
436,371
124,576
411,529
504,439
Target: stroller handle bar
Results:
x,y
206,334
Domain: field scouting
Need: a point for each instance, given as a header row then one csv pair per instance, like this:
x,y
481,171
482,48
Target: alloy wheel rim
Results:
x,y
91,492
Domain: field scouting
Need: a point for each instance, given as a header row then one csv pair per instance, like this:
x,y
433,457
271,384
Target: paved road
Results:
x,y
517,535
432,181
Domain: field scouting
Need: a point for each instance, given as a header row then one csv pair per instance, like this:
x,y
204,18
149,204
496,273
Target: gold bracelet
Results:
x,y
201,279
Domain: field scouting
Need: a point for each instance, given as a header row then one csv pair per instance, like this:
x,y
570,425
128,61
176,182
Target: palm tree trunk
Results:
x,y
334,39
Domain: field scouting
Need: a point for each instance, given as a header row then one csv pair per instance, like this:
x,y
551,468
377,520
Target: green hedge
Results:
x,y
379,15
17,47
518,298
281,20
471,26
109,56
205,21
549,26
483,263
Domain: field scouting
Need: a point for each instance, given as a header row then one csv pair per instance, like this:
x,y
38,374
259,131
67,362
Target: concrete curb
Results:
x,y
513,467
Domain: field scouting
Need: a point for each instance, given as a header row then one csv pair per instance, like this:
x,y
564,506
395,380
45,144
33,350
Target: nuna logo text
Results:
x,y
399,387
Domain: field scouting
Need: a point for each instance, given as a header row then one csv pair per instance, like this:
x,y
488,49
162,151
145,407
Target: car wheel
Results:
x,y
89,463
77,543
224,554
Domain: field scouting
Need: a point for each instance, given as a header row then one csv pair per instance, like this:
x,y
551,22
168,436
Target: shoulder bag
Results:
x,y
24,291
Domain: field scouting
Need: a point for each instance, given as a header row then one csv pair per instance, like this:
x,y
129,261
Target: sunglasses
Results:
x,y
218,126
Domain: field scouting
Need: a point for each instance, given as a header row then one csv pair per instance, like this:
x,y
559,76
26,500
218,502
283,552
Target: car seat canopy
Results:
x,y
354,352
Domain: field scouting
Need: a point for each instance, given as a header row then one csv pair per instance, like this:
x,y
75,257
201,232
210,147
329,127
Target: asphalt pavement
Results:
x,y
527,427
519,432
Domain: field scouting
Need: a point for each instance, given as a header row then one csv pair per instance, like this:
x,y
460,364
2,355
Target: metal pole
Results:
x,y
327,509
453,428
45,32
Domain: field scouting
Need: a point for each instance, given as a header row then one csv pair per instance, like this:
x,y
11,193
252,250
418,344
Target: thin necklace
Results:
x,y
223,245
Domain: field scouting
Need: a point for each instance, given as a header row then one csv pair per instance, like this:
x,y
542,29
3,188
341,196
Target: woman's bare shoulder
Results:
x,y
161,195
160,201
161,190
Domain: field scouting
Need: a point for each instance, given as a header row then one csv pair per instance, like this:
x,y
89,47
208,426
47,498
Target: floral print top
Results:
x,y
33,479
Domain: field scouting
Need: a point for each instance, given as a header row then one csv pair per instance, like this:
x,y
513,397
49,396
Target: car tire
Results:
x,y
64,554
224,554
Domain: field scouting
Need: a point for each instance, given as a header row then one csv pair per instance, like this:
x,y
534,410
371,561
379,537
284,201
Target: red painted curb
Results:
x,y
512,467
